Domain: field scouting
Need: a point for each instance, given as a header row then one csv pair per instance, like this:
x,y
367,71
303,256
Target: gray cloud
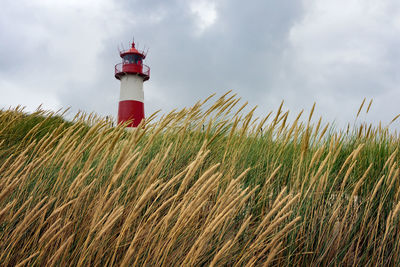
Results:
x,y
63,54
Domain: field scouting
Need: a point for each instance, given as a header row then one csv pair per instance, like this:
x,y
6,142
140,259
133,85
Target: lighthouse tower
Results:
x,y
132,73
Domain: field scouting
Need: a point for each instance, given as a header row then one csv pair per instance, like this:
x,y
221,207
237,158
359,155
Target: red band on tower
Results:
x,y
131,110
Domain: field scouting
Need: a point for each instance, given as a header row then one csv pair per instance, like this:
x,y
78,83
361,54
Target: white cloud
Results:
x,y
345,50
13,95
205,13
344,31
58,46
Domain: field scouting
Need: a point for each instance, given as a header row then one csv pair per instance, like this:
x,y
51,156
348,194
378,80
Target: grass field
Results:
x,y
204,186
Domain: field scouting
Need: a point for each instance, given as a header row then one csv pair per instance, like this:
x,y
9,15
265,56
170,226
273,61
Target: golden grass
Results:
x,y
201,186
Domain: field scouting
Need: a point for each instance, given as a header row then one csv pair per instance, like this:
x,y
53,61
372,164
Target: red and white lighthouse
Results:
x,y
132,73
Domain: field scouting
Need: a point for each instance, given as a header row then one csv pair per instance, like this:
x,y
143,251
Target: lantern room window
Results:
x,y
133,59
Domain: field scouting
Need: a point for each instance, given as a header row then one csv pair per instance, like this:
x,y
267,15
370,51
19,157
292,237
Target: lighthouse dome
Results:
x,y
133,51
132,63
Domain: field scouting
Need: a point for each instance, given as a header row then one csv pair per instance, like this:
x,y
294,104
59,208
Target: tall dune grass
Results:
x,y
206,185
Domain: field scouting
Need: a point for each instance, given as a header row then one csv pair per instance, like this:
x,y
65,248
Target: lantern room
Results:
x,y
132,63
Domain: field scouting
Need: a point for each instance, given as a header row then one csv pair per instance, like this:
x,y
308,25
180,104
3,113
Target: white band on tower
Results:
x,y
132,88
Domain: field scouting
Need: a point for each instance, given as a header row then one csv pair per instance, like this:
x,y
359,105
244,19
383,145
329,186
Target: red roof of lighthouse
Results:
x,y
133,50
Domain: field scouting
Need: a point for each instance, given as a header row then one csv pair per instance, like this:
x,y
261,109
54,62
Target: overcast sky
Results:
x,y
62,53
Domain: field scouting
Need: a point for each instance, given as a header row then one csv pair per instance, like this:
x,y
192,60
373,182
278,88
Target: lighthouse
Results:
x,y
132,73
